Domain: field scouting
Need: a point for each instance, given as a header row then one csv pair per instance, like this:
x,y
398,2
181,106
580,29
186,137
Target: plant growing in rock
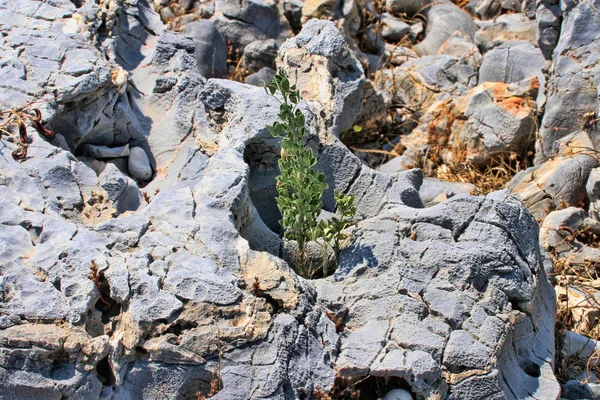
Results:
x,y
300,186
331,231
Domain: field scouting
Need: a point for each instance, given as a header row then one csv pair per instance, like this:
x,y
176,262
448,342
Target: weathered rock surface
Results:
x,y
242,23
561,179
505,28
491,118
108,292
512,62
443,19
211,49
593,191
573,86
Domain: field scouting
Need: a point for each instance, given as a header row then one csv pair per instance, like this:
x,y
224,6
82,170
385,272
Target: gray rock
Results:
x,y
512,62
211,49
505,28
571,94
260,54
397,394
576,345
409,7
461,46
292,10
320,42
99,151
592,188
124,231
139,164
263,75
443,19
491,118
484,9
562,178
575,390
417,83
121,189
416,30
244,22
198,279
501,126
551,235
177,300
393,29
549,17
463,351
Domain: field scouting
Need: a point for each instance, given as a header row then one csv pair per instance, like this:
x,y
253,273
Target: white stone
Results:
x,y
139,164
397,394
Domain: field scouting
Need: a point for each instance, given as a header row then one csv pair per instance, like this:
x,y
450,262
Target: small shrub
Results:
x,y
331,231
300,186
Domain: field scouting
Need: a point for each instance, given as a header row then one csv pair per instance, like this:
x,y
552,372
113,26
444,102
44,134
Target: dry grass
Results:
x,y
578,309
235,64
490,177
216,383
17,117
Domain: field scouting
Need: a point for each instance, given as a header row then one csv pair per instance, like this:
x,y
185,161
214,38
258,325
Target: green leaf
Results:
x,y
285,85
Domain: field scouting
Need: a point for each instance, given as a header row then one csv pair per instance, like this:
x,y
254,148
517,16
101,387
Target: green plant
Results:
x,y
331,231
300,186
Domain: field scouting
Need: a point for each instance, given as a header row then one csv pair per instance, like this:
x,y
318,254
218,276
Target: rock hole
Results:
x,y
361,387
34,233
257,219
273,306
61,370
262,157
77,3
530,368
105,373
93,323
374,387
180,326
57,284
105,304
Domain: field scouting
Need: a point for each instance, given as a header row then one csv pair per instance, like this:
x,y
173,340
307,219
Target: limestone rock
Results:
x,y
263,75
260,54
393,29
99,151
505,29
487,9
592,188
211,49
139,164
572,91
320,49
244,22
560,179
491,118
443,19
121,189
513,62
161,299
549,17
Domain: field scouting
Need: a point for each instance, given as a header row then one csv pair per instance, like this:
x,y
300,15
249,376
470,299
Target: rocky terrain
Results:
x,y
140,250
